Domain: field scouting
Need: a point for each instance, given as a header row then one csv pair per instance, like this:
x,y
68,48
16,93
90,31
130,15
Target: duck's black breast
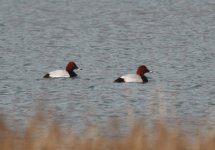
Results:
x,y
144,78
72,74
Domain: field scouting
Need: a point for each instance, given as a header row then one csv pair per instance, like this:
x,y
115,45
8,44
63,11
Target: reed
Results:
x,y
49,135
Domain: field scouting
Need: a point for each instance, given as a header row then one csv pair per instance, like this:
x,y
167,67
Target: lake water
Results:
x,y
107,39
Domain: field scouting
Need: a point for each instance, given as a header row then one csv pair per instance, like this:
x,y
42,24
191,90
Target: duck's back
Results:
x,y
59,74
132,78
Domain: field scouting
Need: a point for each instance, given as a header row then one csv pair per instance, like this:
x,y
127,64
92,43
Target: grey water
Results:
x,y
107,39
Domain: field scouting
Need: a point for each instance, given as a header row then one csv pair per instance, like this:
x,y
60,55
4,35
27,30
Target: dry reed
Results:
x,y
44,135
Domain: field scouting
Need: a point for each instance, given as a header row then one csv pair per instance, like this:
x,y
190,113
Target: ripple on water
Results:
x,y
108,40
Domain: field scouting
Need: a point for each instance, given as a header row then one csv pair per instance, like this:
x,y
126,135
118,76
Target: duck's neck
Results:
x,y
144,78
72,74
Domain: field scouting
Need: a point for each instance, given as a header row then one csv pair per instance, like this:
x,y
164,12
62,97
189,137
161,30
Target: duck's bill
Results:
x,y
79,68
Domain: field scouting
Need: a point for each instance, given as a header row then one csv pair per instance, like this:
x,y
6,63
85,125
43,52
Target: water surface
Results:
x,y
108,38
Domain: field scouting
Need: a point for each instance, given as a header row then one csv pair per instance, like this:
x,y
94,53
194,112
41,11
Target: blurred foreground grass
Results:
x,y
45,135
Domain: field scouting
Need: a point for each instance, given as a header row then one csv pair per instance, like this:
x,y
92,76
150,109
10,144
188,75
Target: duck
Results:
x,y
68,73
139,77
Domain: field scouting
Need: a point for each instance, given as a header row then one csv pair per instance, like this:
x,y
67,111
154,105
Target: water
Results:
x,y
107,39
